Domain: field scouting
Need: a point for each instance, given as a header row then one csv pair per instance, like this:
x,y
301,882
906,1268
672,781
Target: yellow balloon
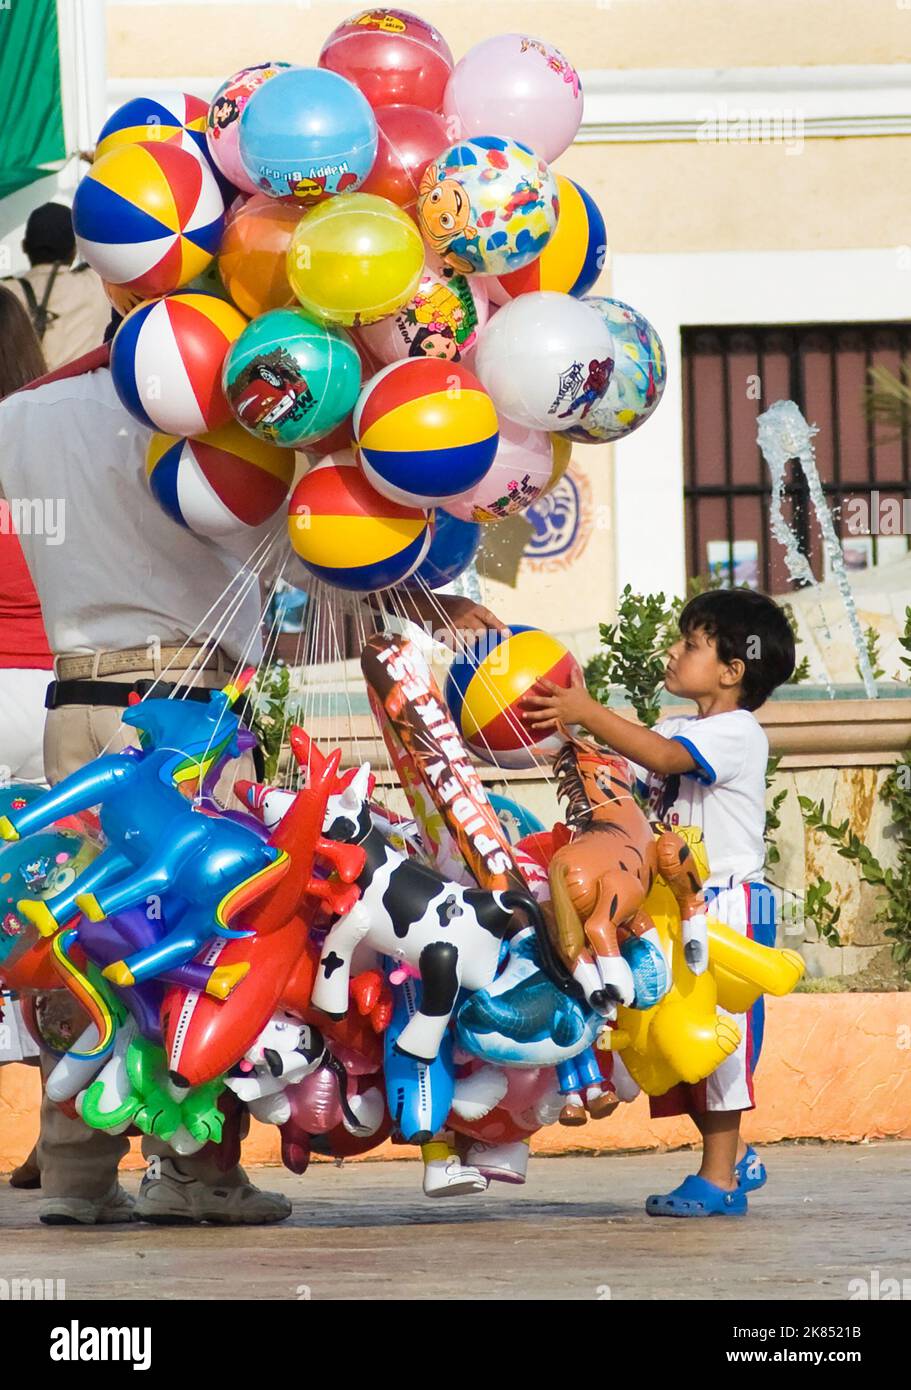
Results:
x,y
355,259
562,454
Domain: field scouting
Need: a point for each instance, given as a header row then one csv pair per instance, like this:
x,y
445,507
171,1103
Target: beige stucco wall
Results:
x,y
178,38
681,197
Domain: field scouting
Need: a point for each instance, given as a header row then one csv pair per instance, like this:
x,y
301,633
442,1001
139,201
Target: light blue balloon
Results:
x,y
516,821
305,133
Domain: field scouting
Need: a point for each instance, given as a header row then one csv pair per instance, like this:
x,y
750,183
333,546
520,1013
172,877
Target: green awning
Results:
x,y
31,115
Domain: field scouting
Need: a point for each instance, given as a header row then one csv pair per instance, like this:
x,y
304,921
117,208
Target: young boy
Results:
x,y
708,770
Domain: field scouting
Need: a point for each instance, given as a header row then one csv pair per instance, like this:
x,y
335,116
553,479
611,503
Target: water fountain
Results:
x,y
783,434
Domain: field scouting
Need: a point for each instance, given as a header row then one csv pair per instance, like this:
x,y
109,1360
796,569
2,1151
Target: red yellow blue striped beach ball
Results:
x,y
485,689
167,117
148,216
348,534
166,361
425,431
221,483
573,258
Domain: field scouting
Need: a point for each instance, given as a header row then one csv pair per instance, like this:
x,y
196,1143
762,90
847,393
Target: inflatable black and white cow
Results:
x,y
451,934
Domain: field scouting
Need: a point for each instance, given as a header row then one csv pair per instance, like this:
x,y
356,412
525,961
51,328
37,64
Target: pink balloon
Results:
x,y
514,1117
315,1105
521,471
517,87
495,291
442,320
223,120
526,1086
354,1062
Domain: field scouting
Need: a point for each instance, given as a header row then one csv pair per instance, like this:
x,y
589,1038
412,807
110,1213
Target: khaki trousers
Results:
x,y
77,1161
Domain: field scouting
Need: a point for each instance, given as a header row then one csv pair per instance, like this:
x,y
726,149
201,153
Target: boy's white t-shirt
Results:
x,y
724,796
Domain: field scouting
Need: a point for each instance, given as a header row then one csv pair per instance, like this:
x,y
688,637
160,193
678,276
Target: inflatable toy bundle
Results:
x,y
348,976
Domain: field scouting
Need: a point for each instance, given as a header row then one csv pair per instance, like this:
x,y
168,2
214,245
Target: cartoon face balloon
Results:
x,y
488,206
442,319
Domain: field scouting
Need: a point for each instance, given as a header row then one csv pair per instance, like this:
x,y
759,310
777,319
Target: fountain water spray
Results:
x,y
784,434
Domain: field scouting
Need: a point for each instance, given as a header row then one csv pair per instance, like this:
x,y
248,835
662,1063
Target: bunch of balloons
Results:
x,y
373,261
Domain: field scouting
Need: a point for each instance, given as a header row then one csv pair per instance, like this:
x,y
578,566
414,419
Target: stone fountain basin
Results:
x,y
808,728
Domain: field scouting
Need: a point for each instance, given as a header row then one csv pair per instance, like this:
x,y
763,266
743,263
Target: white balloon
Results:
x,y
545,359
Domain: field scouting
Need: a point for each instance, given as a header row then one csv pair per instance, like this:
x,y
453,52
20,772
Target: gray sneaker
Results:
x,y
116,1205
173,1199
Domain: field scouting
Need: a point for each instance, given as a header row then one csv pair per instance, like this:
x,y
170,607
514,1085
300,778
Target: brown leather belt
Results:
x,y
186,658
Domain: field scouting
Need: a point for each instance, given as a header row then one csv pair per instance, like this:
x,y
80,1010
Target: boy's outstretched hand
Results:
x,y
557,705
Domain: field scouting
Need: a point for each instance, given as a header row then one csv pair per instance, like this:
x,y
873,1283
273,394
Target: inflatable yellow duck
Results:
x,y
685,1037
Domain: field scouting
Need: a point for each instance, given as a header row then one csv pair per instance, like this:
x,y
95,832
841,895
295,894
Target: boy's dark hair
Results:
x,y
750,626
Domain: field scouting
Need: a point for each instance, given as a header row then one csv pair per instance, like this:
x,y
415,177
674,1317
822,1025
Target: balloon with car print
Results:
x,y
289,380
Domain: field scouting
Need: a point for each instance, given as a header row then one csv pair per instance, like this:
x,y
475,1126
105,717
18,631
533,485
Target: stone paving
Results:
x,y
830,1214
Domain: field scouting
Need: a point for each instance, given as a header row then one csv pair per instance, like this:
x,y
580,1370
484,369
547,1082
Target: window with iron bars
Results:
x,y
731,375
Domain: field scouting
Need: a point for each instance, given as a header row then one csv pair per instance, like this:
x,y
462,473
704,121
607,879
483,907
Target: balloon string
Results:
x,y
248,576
294,773
242,578
241,664
342,658
541,761
250,579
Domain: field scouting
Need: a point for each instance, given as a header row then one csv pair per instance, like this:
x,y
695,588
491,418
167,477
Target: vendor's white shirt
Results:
x,y
112,570
724,796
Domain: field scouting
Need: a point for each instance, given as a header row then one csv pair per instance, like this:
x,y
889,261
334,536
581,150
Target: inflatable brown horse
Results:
x,y
601,876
